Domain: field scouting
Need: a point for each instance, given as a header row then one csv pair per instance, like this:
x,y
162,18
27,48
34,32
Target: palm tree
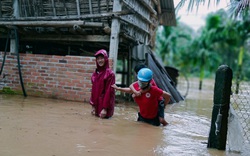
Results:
x,y
237,7
243,31
170,41
239,10
204,55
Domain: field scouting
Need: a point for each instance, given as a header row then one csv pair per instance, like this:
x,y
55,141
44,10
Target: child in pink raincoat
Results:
x,y
102,95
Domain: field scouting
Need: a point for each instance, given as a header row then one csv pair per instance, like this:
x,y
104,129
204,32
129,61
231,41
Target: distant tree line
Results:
x,y
223,40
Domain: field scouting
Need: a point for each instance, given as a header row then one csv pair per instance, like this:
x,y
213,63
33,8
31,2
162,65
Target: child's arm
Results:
x,y
126,89
135,92
166,96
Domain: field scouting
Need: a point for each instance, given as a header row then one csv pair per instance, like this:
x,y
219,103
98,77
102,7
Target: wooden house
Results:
x,y
81,27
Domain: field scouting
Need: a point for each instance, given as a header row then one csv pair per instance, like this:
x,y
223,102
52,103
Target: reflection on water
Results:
x,y
38,127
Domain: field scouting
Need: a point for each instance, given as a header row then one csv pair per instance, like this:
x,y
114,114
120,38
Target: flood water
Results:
x,y
48,127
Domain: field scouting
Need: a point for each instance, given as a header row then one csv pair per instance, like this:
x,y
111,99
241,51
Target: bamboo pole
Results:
x,y
0,9
53,23
77,28
16,9
90,8
155,2
76,38
78,8
65,8
53,5
149,7
159,7
13,41
50,18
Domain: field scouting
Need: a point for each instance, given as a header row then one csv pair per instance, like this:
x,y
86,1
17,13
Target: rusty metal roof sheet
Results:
x,y
167,15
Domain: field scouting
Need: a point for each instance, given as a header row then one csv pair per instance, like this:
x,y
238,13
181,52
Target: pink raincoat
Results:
x,y
103,95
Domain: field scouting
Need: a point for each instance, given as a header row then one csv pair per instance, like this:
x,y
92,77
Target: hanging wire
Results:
x,y
18,61
5,52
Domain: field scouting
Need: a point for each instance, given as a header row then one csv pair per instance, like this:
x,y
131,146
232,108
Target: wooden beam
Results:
x,y
15,9
90,8
53,5
1,9
52,23
130,6
79,38
66,18
128,38
42,23
93,24
133,24
77,30
65,9
149,7
159,7
155,2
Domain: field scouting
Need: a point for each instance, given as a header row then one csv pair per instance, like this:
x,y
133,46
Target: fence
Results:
x,y
241,104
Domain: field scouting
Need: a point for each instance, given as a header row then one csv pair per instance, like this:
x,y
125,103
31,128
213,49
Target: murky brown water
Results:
x,y
47,127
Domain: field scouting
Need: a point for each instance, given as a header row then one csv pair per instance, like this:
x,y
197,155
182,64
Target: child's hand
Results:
x,y
137,93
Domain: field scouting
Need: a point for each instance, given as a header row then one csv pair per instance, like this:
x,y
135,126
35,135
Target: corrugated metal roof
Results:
x,y
167,15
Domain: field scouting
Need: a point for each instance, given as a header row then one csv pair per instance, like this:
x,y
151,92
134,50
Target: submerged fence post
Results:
x,y
222,90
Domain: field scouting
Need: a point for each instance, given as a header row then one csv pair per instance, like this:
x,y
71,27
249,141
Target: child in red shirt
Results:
x,y
147,98
150,111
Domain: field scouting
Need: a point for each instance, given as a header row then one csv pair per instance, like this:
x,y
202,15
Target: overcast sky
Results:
x,y
197,19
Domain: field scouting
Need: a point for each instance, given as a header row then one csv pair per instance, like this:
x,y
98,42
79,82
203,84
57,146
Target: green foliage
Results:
x,y
217,43
237,8
171,40
213,22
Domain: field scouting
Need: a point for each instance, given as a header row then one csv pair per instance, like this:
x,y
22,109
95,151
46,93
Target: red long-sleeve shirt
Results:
x,y
148,101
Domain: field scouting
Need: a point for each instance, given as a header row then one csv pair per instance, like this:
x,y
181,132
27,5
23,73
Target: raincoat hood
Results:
x,y
106,64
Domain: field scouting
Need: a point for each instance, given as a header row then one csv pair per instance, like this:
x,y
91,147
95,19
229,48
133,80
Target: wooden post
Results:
x,y
114,38
54,8
12,38
129,80
0,9
12,45
90,9
222,91
78,8
15,8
